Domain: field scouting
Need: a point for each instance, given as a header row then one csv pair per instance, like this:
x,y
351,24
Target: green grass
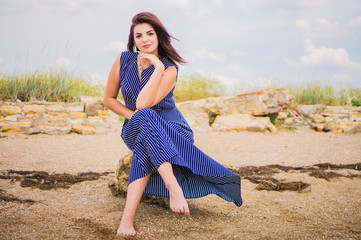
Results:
x,y
62,86
317,93
55,86
196,86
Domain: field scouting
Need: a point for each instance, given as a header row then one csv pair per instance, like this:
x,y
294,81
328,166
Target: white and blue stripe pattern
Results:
x,y
160,134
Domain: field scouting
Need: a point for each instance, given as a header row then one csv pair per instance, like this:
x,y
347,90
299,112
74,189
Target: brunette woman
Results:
x,y
165,162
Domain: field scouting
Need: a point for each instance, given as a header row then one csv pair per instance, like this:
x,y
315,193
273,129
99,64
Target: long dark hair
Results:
x,y
165,47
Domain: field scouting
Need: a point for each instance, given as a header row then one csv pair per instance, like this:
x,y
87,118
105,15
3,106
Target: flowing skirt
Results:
x,y
156,136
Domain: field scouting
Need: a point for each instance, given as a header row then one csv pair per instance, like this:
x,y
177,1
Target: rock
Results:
x,y
307,110
289,121
122,175
83,129
53,128
34,108
12,118
10,110
25,122
195,114
92,108
119,186
55,108
75,115
282,115
55,116
10,128
242,122
75,107
103,113
319,120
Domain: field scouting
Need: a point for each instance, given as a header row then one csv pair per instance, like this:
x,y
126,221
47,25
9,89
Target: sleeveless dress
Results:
x,y
160,134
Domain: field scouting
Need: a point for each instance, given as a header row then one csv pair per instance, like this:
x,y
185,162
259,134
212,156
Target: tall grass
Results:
x,y
196,86
59,86
63,86
318,93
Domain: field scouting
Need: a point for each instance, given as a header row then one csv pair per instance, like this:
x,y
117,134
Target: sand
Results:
x,y
327,209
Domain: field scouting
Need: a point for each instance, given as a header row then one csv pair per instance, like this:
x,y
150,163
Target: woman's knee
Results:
x,y
145,113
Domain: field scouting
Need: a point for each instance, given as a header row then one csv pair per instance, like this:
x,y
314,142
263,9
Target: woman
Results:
x,y
165,161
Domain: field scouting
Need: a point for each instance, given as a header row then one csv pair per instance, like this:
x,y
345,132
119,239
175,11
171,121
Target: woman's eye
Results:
x,y
137,36
150,34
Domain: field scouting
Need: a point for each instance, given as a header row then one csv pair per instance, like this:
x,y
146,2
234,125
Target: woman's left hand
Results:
x,y
152,59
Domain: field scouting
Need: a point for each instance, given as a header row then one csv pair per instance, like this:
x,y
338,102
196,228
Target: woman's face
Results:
x,y
145,38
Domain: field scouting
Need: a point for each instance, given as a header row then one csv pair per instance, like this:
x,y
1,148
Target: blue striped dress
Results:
x,y
160,134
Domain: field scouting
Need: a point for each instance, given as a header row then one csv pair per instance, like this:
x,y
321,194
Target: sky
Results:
x,y
246,44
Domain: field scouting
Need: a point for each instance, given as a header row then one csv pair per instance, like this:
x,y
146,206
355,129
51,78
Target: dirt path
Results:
x,y
87,210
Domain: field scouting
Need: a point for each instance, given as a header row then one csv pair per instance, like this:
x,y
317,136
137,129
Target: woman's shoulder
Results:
x,y
127,54
167,63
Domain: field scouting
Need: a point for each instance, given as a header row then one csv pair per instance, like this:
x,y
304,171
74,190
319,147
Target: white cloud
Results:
x,y
285,5
115,47
321,28
204,53
61,63
238,53
218,3
327,57
240,71
179,3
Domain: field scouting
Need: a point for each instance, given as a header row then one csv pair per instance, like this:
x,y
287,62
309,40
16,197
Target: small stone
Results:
x,y
282,115
91,109
56,116
10,110
289,121
23,122
77,115
75,107
10,128
319,120
83,129
34,108
12,118
103,113
55,108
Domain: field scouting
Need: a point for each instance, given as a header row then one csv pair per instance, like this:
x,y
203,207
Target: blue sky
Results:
x,y
247,44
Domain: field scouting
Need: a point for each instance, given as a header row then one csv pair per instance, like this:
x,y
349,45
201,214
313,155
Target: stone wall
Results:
x,y
244,112
86,117
339,119
257,111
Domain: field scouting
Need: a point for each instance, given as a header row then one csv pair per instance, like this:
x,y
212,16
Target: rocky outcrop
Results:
x,y
339,119
243,112
87,117
119,185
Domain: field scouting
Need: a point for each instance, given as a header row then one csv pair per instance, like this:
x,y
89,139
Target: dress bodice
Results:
x,y
130,84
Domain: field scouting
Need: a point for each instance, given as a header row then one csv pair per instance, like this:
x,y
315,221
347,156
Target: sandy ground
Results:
x,y
87,210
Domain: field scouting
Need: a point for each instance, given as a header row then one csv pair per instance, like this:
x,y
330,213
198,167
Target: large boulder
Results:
x,y
119,185
201,114
243,122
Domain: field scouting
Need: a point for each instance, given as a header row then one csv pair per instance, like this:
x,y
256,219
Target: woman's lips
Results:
x,y
147,46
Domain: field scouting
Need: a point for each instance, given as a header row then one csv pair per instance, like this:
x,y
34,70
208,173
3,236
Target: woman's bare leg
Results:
x,y
134,194
177,202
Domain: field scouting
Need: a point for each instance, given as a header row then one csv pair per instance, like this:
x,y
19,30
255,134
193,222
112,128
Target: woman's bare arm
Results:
x,y
111,92
159,84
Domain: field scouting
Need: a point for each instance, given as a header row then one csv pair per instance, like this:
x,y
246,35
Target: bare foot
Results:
x,y
126,228
177,202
